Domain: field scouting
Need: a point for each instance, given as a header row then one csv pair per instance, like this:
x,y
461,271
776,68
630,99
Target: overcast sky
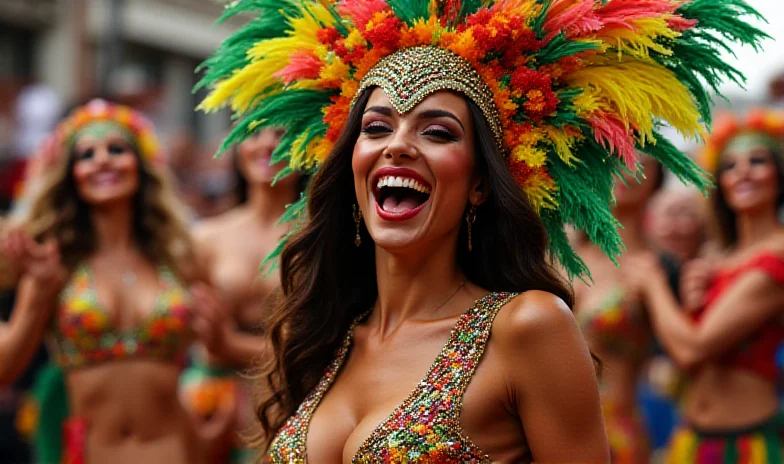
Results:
x,y
761,67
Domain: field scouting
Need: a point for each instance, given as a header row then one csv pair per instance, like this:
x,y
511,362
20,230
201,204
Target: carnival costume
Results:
x,y
81,331
620,327
757,354
571,89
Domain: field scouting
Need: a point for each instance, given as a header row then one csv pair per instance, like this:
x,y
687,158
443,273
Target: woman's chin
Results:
x,y
397,240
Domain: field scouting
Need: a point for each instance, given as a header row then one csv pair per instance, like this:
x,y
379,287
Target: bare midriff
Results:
x,y
132,413
724,398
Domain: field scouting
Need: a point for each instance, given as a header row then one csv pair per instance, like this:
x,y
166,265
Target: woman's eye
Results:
x,y
758,160
115,149
376,128
86,154
728,166
440,132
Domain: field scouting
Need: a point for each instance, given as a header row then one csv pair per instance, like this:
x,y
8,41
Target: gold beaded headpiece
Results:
x,y
410,75
571,89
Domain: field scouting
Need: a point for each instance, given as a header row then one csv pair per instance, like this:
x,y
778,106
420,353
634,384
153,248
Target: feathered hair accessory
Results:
x,y
129,122
762,122
571,88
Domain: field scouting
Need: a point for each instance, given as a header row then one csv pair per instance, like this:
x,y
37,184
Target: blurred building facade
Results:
x,y
142,52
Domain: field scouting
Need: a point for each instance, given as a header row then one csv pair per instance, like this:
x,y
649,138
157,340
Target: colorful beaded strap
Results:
x,y
427,424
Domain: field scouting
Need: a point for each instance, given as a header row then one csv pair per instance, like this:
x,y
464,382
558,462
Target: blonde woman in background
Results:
x,y
105,264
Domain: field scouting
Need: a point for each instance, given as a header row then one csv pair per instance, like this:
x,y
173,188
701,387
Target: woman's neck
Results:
x,y
755,228
268,202
632,233
415,285
113,227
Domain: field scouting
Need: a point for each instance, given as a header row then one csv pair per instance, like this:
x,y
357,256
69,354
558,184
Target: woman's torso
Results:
x,y
122,351
131,412
615,326
390,402
737,388
236,244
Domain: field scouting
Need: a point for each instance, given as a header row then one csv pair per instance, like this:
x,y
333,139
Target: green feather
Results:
x,y
585,193
697,54
469,7
232,55
566,114
561,47
247,6
560,249
295,215
410,11
275,111
537,25
678,163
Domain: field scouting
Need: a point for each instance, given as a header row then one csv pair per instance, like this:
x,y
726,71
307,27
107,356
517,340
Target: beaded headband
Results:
x,y
410,75
130,122
571,89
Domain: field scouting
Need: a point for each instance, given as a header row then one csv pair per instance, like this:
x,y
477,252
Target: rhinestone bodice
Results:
x,y
424,428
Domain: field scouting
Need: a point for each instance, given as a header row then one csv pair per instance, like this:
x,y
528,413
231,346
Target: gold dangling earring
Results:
x,y
357,220
470,218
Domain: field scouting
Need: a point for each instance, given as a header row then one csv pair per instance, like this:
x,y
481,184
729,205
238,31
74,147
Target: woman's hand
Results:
x,y
211,321
39,265
696,276
642,273
215,434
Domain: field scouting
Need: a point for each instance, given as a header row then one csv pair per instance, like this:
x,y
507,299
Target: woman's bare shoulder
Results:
x,y
532,316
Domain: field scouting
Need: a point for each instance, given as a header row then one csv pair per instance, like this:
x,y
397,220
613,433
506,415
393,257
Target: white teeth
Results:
x,y
392,181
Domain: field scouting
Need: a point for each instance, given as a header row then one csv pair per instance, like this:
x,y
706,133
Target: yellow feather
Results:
x,y
642,40
639,93
532,156
268,57
562,143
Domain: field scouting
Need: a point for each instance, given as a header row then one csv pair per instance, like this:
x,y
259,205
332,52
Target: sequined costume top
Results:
x,y
618,326
425,427
756,354
84,334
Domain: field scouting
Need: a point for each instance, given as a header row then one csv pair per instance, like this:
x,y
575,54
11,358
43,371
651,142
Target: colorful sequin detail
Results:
x,y
84,333
425,428
617,326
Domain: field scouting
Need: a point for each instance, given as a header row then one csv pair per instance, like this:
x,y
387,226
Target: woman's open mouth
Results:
x,y
399,197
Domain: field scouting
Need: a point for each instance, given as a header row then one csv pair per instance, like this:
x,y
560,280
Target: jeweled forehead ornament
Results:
x,y
410,75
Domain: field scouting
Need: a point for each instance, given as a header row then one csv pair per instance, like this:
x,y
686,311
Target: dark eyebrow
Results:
x,y
383,110
431,114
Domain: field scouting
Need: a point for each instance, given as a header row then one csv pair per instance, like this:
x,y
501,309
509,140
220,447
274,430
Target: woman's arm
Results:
x,y
23,334
36,298
553,379
752,300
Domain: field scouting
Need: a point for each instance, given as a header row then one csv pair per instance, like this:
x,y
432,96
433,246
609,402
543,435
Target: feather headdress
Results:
x,y
572,88
764,122
139,129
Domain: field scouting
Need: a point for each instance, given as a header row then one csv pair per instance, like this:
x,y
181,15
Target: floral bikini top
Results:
x,y
84,333
425,428
617,325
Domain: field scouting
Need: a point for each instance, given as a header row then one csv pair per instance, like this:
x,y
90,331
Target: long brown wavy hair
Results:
x,y
327,281
159,225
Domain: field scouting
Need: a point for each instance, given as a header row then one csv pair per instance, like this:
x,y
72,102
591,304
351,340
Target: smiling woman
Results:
x,y
732,325
422,317
105,262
